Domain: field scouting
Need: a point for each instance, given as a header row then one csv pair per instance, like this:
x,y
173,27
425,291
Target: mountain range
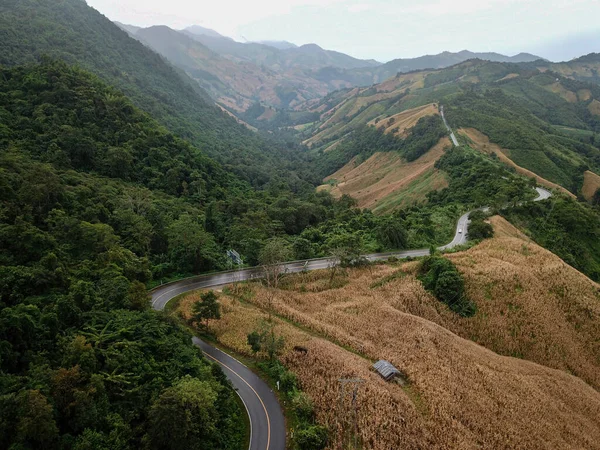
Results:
x,y
280,74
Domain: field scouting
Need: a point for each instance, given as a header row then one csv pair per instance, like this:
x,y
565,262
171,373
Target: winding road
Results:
x,y
267,423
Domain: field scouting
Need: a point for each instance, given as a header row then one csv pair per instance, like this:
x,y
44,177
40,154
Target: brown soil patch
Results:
x,y
384,174
481,142
559,89
400,123
584,95
591,184
594,107
510,76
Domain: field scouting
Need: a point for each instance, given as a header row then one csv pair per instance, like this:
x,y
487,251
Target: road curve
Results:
x,y
267,423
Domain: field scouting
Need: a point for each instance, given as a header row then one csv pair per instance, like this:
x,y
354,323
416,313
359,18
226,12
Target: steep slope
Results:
x,y
76,33
545,122
460,393
235,85
591,185
97,199
386,181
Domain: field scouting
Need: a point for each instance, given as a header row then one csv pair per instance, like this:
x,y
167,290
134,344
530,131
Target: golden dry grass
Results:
x,y
387,174
594,107
510,76
482,143
461,394
583,95
591,184
563,92
405,120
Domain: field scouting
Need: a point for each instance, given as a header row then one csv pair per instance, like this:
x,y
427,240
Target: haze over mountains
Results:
x,y
279,73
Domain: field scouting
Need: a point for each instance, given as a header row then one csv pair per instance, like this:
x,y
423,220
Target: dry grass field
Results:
x,y
522,373
594,107
385,178
482,143
591,184
404,120
559,89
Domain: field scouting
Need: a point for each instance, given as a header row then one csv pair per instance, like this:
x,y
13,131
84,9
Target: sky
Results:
x,y
384,29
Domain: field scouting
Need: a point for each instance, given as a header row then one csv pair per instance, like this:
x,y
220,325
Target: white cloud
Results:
x,y
360,7
225,16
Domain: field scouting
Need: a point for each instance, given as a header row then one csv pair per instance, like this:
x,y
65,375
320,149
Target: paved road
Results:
x,y
454,141
266,419
267,424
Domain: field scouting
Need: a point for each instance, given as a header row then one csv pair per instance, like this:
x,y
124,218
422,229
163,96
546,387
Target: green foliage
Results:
x,y
567,228
313,437
264,339
73,32
440,276
308,435
184,416
208,308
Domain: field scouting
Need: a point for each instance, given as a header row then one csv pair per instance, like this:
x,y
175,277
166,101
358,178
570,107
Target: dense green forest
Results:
x,y
566,227
96,201
72,31
520,115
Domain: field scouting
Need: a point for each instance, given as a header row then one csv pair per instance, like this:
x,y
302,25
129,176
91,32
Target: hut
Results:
x,y
387,371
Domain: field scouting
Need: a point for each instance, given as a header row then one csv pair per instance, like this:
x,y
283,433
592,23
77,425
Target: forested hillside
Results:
x,y
72,31
95,198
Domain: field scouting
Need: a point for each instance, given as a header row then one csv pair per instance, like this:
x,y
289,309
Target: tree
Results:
x,y
255,342
206,309
272,256
480,230
266,340
184,416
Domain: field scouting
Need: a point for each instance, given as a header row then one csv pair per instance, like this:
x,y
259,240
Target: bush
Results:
x,y
313,437
440,277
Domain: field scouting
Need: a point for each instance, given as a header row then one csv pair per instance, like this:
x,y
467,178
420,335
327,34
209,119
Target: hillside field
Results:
x,y
386,181
521,373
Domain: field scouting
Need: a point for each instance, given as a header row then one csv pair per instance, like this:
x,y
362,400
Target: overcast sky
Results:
x,y
384,29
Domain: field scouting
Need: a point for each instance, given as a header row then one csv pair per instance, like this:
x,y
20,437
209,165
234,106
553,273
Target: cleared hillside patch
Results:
x,y
594,107
482,143
385,177
591,184
400,123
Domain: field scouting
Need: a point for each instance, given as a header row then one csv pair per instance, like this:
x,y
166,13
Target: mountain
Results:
x,y
72,31
543,122
197,30
131,29
235,85
368,76
305,57
280,45
585,68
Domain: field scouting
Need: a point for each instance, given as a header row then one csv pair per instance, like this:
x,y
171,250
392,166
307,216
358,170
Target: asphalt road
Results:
x,y
452,136
267,424
266,419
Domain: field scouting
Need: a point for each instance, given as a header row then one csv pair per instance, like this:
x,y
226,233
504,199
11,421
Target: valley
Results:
x,y
207,239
